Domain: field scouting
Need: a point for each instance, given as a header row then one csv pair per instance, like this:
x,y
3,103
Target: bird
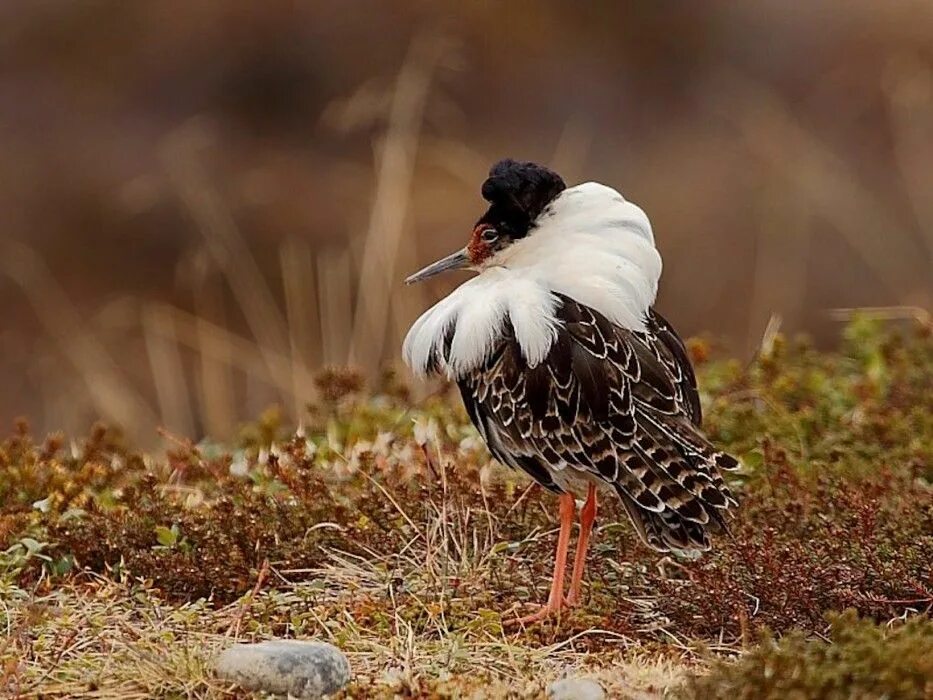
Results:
x,y
568,372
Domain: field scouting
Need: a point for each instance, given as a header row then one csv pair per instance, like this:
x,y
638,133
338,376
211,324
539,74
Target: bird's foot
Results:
x,y
575,594
543,612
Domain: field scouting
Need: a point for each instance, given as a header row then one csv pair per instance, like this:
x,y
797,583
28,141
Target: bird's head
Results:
x,y
518,194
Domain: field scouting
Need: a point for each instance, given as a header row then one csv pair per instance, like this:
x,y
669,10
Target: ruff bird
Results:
x,y
567,371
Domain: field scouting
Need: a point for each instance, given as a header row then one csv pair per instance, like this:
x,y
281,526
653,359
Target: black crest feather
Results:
x,y
518,192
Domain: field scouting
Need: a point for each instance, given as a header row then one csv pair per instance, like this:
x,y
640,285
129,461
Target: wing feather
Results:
x,y
612,405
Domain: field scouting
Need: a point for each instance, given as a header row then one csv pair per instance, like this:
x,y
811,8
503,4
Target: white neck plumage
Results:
x,y
589,244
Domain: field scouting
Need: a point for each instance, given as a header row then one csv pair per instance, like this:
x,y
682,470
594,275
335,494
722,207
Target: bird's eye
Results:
x,y
489,235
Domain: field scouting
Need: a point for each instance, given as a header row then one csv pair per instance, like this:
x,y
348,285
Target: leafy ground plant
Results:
x,y
384,528
860,659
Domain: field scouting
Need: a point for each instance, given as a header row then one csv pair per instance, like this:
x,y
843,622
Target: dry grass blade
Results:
x,y
335,292
215,382
216,344
113,396
781,265
910,97
227,247
395,168
572,149
826,181
885,313
168,372
771,333
301,307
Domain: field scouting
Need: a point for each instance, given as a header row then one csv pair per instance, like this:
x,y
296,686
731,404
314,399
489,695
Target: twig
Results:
x,y
247,602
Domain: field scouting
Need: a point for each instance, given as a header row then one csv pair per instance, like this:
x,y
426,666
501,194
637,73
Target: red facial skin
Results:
x,y
478,249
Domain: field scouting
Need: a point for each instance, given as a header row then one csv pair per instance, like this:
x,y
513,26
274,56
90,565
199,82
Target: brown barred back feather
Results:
x,y
611,405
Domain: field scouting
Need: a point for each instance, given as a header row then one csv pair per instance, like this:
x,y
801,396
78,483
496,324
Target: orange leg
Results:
x,y
587,517
556,598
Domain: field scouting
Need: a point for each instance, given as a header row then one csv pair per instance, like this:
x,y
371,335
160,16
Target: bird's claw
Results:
x,y
543,613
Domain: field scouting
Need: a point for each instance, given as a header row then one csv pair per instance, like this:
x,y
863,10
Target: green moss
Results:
x,y
862,660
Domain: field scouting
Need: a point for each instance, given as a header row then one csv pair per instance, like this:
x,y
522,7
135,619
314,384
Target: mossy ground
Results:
x,y
384,528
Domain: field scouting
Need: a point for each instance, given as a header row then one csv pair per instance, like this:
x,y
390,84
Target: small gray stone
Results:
x,y
575,689
302,669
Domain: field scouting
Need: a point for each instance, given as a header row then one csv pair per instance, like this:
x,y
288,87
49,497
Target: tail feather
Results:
x,y
680,469
666,532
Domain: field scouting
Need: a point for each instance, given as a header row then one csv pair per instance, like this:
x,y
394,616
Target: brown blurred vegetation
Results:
x,y
204,202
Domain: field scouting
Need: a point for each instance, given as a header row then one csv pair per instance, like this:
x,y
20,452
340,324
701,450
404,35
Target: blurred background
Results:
x,y
205,202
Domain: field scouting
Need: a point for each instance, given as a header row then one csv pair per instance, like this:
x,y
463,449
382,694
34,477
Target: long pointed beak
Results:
x,y
454,261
